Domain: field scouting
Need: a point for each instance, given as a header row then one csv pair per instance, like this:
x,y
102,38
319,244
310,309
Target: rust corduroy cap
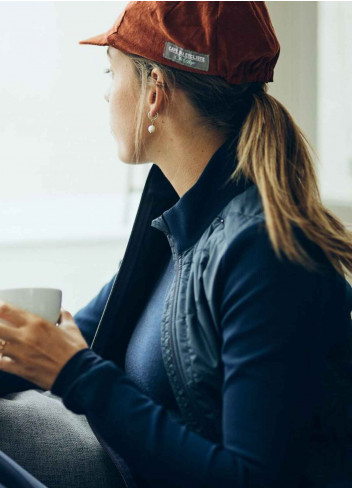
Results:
x,y
234,40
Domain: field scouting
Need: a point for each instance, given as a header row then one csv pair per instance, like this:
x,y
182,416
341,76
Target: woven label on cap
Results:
x,y
186,57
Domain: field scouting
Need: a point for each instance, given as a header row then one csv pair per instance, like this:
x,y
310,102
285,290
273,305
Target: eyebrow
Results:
x,y
107,52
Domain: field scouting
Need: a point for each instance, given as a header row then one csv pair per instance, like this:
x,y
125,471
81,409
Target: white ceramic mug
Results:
x,y
43,302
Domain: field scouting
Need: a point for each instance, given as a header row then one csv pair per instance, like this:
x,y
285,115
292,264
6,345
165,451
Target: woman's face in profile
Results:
x,y
122,96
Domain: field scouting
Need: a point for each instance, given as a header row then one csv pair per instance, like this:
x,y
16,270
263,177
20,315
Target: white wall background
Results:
x,y
67,203
335,107
312,78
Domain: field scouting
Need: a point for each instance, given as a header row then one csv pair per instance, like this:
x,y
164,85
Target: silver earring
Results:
x,y
151,128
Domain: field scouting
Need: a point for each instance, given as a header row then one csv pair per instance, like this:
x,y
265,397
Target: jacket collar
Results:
x,y
189,217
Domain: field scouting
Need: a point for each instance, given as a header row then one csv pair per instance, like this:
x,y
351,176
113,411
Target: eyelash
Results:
x,y
107,70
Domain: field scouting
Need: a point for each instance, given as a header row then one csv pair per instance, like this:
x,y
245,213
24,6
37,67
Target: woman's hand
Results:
x,y
35,348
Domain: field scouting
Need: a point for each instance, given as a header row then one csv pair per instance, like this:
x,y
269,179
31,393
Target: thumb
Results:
x,y
65,317
65,313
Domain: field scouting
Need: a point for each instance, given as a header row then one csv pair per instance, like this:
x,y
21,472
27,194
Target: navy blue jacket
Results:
x,y
259,331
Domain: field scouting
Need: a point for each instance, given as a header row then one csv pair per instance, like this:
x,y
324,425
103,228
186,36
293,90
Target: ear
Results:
x,y
156,98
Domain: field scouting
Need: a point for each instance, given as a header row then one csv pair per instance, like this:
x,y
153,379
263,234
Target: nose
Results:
x,y
106,96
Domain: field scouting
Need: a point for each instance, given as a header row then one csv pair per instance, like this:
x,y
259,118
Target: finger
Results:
x,y
7,346
13,314
8,364
8,333
9,350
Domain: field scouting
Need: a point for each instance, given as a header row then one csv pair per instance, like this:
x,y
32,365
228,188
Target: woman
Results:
x,y
210,349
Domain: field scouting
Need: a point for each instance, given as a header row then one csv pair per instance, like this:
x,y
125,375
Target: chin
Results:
x,y
125,153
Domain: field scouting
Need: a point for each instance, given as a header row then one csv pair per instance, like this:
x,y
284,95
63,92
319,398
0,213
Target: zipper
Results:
x,y
108,453
177,363
178,260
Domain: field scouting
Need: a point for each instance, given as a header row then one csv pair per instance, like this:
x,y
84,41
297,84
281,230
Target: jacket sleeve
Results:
x,y
272,351
87,320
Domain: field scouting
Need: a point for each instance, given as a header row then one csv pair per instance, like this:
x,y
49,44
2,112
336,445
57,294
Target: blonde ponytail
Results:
x,y
272,151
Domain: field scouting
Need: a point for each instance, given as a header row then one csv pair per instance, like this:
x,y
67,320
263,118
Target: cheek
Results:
x,y
121,106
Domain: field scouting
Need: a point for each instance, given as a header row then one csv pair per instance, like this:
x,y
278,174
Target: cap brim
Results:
x,y
100,40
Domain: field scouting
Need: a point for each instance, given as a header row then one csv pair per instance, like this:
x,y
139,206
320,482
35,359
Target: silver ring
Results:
x,y
152,119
